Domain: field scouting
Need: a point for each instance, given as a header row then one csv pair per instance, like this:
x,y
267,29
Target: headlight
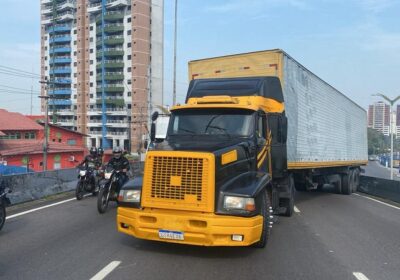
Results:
x,y
82,172
129,196
107,175
239,203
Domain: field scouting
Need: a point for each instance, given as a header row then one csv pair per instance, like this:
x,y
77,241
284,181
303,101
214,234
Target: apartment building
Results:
x,y
379,117
103,61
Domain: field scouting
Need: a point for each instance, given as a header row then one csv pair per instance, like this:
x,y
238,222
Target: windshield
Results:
x,y
211,122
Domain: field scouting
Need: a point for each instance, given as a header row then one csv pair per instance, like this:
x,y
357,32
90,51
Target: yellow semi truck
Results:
x,y
254,128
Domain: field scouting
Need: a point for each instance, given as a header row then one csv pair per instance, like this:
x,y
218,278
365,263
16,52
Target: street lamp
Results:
x,y
391,102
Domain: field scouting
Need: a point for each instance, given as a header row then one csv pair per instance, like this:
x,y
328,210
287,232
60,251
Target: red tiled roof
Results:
x,y
16,121
17,147
2,134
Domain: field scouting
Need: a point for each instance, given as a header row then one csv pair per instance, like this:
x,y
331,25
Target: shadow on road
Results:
x,y
188,250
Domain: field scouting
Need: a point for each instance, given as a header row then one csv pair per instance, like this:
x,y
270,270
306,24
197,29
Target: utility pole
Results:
x,y
46,131
391,102
175,33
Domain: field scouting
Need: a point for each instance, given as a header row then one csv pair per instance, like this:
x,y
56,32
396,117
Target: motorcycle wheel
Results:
x,y
2,214
79,191
102,200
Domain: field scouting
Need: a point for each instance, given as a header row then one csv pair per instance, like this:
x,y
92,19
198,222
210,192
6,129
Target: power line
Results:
x,y
19,70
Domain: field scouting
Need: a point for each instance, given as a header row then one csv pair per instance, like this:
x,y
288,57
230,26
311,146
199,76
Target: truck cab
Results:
x,y
221,171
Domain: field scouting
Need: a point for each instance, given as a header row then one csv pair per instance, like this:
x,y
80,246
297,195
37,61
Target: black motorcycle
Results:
x,y
108,188
86,182
4,201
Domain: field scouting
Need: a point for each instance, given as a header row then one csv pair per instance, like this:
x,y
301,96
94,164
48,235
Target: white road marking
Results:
x,y
360,276
381,202
106,270
296,209
42,207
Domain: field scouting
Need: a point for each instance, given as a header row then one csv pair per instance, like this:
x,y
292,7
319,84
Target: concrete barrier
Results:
x,y
32,186
384,188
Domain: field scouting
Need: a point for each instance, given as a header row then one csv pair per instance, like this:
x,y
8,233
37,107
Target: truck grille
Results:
x,y
182,181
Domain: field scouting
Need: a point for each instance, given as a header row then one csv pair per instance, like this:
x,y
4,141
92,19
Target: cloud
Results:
x,y
376,6
254,6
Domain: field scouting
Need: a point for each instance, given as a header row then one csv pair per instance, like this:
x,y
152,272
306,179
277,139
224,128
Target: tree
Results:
x,y
377,143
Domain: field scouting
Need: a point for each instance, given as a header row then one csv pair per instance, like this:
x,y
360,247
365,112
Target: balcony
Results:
x,y
65,122
111,88
60,50
111,64
110,28
60,91
63,112
117,3
46,1
110,40
65,5
118,102
94,8
60,60
117,123
65,16
59,28
62,81
111,76
60,70
110,16
60,102
116,133
60,39
110,52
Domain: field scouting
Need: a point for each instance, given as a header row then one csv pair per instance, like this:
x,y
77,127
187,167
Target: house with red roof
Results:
x,y
22,142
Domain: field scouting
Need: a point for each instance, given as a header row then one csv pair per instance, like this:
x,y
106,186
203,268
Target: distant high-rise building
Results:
x,y
379,117
103,60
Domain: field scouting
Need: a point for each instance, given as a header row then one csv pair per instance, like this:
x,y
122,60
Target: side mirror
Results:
x,y
153,132
154,116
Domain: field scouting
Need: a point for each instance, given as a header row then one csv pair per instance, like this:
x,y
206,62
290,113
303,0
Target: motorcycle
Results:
x,y
86,182
108,188
4,201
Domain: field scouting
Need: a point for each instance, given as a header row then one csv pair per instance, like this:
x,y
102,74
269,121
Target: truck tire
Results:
x,y
347,183
356,179
299,183
288,203
266,214
338,185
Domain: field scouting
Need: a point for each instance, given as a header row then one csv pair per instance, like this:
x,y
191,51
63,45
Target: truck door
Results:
x,y
277,122
262,142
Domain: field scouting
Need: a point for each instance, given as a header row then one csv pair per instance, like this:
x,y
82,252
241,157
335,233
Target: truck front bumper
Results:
x,y
204,229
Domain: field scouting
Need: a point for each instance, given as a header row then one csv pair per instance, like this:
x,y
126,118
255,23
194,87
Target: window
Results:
x,y
129,19
91,61
11,135
129,45
91,28
75,31
129,81
29,135
129,93
91,50
91,84
129,32
129,69
91,73
129,57
91,39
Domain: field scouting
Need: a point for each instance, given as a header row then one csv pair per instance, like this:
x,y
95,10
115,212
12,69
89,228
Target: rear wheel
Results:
x,y
2,214
356,179
300,183
79,190
347,183
102,200
266,213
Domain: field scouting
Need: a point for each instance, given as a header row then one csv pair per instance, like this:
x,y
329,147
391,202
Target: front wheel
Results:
x,y
2,214
79,190
266,213
102,200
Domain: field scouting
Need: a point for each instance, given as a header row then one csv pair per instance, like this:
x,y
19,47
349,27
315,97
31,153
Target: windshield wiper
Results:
x,y
220,128
187,130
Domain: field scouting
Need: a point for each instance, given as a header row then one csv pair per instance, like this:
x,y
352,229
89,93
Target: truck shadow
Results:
x,y
188,250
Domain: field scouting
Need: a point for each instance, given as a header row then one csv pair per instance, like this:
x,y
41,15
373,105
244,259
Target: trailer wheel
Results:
x,y
288,203
347,180
338,184
356,179
299,183
266,212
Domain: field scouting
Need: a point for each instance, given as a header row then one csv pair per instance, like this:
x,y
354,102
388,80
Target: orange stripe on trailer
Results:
x,y
194,75
274,65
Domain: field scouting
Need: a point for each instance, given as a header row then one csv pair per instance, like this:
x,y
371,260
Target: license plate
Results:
x,y
168,234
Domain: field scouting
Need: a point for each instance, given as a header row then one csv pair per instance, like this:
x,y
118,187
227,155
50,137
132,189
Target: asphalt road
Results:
x,y
374,169
332,237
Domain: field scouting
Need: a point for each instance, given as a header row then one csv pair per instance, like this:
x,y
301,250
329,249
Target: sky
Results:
x,y
354,45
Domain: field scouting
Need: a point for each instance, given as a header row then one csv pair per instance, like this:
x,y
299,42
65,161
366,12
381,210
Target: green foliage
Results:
x,y
379,143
